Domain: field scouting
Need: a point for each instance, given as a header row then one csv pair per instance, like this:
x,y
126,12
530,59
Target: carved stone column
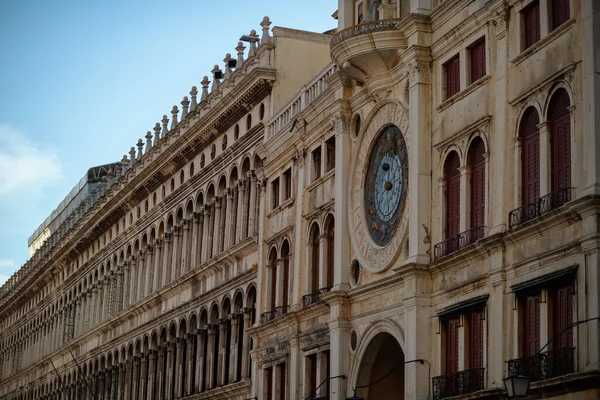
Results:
x,y
166,271
149,270
126,280
134,264
211,357
241,195
185,247
221,370
128,380
195,240
234,350
252,207
139,291
105,299
169,379
246,343
100,390
189,360
176,257
107,383
245,213
156,278
136,378
229,220
160,374
114,383
200,357
205,229
143,377
121,387
217,227
179,364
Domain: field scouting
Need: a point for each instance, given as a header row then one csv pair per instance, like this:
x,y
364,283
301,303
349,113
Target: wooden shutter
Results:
x,y
531,325
478,69
476,339
452,195
452,345
530,156
477,161
563,316
560,140
531,24
560,12
452,69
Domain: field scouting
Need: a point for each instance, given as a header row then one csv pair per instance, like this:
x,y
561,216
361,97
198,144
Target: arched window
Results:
x,y
224,143
314,259
560,144
273,284
452,177
181,177
191,169
530,158
330,229
476,160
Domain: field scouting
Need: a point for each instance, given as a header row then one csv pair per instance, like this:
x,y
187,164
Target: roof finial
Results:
x,y
193,96
156,133
240,54
252,43
165,126
185,104
266,37
174,112
148,141
204,83
217,75
140,146
132,155
228,61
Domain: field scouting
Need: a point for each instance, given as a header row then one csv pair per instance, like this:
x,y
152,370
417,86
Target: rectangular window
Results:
x,y
562,315
477,52
452,73
268,382
451,344
316,160
287,184
330,148
475,319
560,12
531,24
275,193
311,375
531,324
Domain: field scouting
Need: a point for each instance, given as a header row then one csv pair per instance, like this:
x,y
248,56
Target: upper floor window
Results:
x,y
452,177
530,156
275,193
559,118
316,162
476,161
287,184
452,76
531,24
559,12
477,55
330,148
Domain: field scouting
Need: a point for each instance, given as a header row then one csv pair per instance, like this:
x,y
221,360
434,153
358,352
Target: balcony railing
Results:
x,y
463,239
313,298
273,314
460,383
536,209
545,365
366,27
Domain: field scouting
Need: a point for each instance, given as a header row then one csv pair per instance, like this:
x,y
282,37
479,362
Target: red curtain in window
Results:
x,y
560,140
560,12
452,345
452,76
452,195
563,316
477,163
476,339
531,325
478,60
530,156
531,24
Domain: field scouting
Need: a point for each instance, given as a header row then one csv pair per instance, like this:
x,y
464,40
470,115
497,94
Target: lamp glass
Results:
x,y
517,386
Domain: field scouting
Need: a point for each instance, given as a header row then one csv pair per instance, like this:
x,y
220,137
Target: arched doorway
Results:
x,y
382,368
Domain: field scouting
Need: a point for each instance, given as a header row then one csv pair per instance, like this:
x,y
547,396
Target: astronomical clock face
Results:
x,y
378,206
385,185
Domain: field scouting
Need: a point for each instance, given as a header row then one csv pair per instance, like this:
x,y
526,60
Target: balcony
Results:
x,y
313,298
368,49
545,365
460,383
275,313
454,244
543,205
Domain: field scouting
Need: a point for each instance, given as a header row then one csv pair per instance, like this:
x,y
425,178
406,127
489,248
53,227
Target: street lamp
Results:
x,y
517,385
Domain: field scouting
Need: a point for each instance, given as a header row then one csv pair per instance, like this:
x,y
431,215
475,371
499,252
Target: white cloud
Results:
x,y
26,166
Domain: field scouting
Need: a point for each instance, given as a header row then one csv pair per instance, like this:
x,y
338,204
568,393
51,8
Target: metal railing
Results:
x,y
366,27
456,243
459,383
315,297
545,365
541,206
273,314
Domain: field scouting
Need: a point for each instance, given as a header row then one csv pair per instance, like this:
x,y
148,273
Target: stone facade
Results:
x,y
230,258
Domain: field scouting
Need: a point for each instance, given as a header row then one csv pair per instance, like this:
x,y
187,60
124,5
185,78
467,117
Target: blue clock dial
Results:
x,y
385,186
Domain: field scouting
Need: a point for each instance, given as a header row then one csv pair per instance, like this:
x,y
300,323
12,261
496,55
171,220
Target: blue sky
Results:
x,y
81,81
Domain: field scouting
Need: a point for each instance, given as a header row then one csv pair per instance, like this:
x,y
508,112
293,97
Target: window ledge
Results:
x,y
464,93
543,42
320,180
287,203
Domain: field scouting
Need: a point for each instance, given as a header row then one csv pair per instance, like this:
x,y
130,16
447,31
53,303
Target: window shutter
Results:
x,y
452,345
560,12
478,61
452,195
563,317
477,161
531,20
530,156
560,140
476,340
531,325
452,76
